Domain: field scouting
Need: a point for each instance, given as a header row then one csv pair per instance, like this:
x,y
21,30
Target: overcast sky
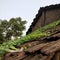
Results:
x,y
26,9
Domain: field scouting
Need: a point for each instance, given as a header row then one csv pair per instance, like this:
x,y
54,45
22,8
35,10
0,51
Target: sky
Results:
x,y
26,9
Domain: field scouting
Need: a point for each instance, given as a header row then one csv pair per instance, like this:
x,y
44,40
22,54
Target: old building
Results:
x,y
45,16
45,48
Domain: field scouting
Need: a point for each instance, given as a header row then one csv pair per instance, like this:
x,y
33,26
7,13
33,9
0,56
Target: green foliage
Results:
x,y
40,33
13,27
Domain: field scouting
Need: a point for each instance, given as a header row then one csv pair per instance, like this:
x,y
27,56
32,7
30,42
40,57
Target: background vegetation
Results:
x,y
12,28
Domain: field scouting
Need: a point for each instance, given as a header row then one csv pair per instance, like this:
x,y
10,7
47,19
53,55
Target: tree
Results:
x,y
14,27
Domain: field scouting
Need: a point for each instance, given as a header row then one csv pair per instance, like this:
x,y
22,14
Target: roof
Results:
x,y
38,15
41,51
41,33
33,45
42,44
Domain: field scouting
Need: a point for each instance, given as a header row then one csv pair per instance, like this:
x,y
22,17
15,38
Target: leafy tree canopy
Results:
x,y
14,27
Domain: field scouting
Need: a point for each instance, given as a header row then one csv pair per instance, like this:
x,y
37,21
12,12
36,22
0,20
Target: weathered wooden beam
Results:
x,y
52,48
41,57
37,57
28,44
35,48
56,56
49,57
48,45
15,56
